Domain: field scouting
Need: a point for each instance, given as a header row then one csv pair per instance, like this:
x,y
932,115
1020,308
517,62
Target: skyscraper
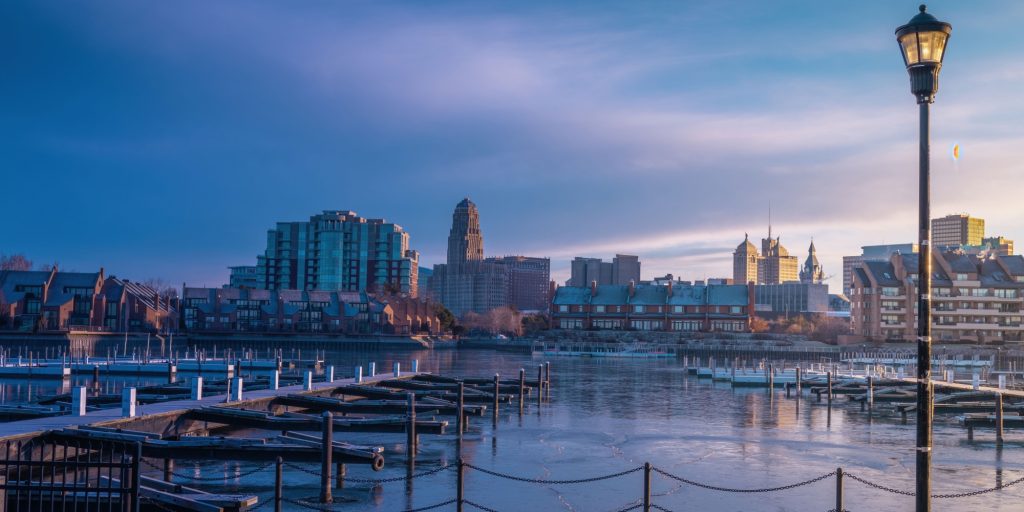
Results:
x,y
469,282
773,265
338,250
465,242
623,269
744,262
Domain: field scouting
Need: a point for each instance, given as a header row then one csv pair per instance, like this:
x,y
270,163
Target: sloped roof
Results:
x,y
611,294
884,273
1014,263
728,295
649,294
9,279
571,295
57,294
688,295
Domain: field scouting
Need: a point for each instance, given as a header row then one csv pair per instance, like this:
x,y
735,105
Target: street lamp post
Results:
x,y
923,43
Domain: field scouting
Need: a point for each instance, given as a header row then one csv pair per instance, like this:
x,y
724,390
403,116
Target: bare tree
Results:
x,y
165,289
15,262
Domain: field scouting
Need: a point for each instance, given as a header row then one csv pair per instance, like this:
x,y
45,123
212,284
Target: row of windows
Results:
x,y
654,325
565,308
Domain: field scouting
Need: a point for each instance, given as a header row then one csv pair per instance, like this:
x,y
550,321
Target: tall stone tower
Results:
x,y
744,262
465,242
812,271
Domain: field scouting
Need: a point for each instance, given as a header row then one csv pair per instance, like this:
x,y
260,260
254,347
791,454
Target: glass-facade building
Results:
x,y
338,250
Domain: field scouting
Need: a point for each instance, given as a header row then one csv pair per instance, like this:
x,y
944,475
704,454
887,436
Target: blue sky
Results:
x,y
163,139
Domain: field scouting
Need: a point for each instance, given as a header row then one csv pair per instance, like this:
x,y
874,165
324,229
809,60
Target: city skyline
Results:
x,y
185,131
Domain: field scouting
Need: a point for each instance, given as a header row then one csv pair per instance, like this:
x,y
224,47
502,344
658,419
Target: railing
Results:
x,y
646,500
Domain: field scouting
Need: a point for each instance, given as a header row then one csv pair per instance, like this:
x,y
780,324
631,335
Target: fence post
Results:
x,y
277,485
397,369
839,489
647,487
328,449
460,485
329,374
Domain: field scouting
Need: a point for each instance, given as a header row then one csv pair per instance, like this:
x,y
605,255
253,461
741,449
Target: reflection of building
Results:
x,y
773,265
956,230
245,309
338,251
67,301
791,297
470,282
871,253
623,269
974,299
671,307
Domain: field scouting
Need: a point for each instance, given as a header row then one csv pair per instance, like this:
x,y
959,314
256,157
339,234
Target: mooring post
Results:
x,y
172,373
410,429
329,374
373,369
798,383
547,377
999,420
647,487
460,419
839,490
415,365
325,467
278,488
771,380
197,388
871,391
829,374
237,389
540,383
340,478
168,469
460,485
128,403
358,375
275,379
307,381
397,369
522,389
975,381
78,401
494,413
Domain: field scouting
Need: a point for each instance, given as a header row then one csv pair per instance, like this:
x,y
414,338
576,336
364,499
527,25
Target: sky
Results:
x,y
162,139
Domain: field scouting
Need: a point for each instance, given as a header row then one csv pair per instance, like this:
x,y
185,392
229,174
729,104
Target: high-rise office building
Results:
x,y
468,282
744,262
957,230
338,250
623,269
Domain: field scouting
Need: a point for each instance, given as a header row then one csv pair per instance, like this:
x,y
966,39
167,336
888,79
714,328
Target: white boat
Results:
x,y
632,350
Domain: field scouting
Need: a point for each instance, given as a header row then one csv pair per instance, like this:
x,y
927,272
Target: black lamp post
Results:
x,y
923,44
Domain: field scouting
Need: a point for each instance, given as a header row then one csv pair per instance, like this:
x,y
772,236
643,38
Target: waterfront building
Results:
x,y
651,307
623,269
792,297
974,299
55,301
468,282
338,250
998,245
773,265
871,253
243,276
957,230
310,311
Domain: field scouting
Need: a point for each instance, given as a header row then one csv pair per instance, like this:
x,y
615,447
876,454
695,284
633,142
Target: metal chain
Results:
x,y
975,493
659,507
371,480
554,482
478,506
210,479
728,489
878,486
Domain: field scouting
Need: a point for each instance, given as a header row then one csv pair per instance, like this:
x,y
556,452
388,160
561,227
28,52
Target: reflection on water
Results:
x,y
608,415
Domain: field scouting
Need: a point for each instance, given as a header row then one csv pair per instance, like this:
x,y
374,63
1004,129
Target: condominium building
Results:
x,y
243,276
338,250
871,253
670,307
623,269
974,299
957,230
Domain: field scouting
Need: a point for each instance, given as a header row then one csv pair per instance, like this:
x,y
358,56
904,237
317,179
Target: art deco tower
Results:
x,y
465,242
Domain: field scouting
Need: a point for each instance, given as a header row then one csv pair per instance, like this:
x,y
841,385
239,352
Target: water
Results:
x,y
611,415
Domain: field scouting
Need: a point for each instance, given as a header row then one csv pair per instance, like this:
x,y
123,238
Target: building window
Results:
x,y
890,291
32,307
571,323
677,309
736,310
563,308
638,309
599,309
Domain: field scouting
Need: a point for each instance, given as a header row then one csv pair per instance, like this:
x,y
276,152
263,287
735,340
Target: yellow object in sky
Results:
x,y
956,152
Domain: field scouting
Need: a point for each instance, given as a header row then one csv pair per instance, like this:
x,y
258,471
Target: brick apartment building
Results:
x,y
675,306
974,299
55,301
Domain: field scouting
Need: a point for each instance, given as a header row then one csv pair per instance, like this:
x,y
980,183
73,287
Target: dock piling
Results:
x,y
522,389
168,469
197,388
307,381
397,369
415,365
410,428
647,487
358,375
460,488
275,379
328,449
975,381
172,373
78,401
236,389
329,374
128,403
839,489
1002,381
497,388
373,369
540,383
999,420
340,478
829,375
460,419
278,488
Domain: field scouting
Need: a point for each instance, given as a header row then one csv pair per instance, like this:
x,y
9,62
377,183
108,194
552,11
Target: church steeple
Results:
x,y
812,271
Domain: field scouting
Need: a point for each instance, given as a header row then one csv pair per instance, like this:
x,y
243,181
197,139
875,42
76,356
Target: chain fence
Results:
x,y
678,478
964,494
317,473
543,481
220,478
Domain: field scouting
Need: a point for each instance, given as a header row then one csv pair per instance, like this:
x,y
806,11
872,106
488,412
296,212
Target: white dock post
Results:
x,y
975,381
197,388
307,381
78,401
398,369
949,375
128,403
415,365
1002,381
275,379
330,374
900,373
372,370
236,389
358,375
